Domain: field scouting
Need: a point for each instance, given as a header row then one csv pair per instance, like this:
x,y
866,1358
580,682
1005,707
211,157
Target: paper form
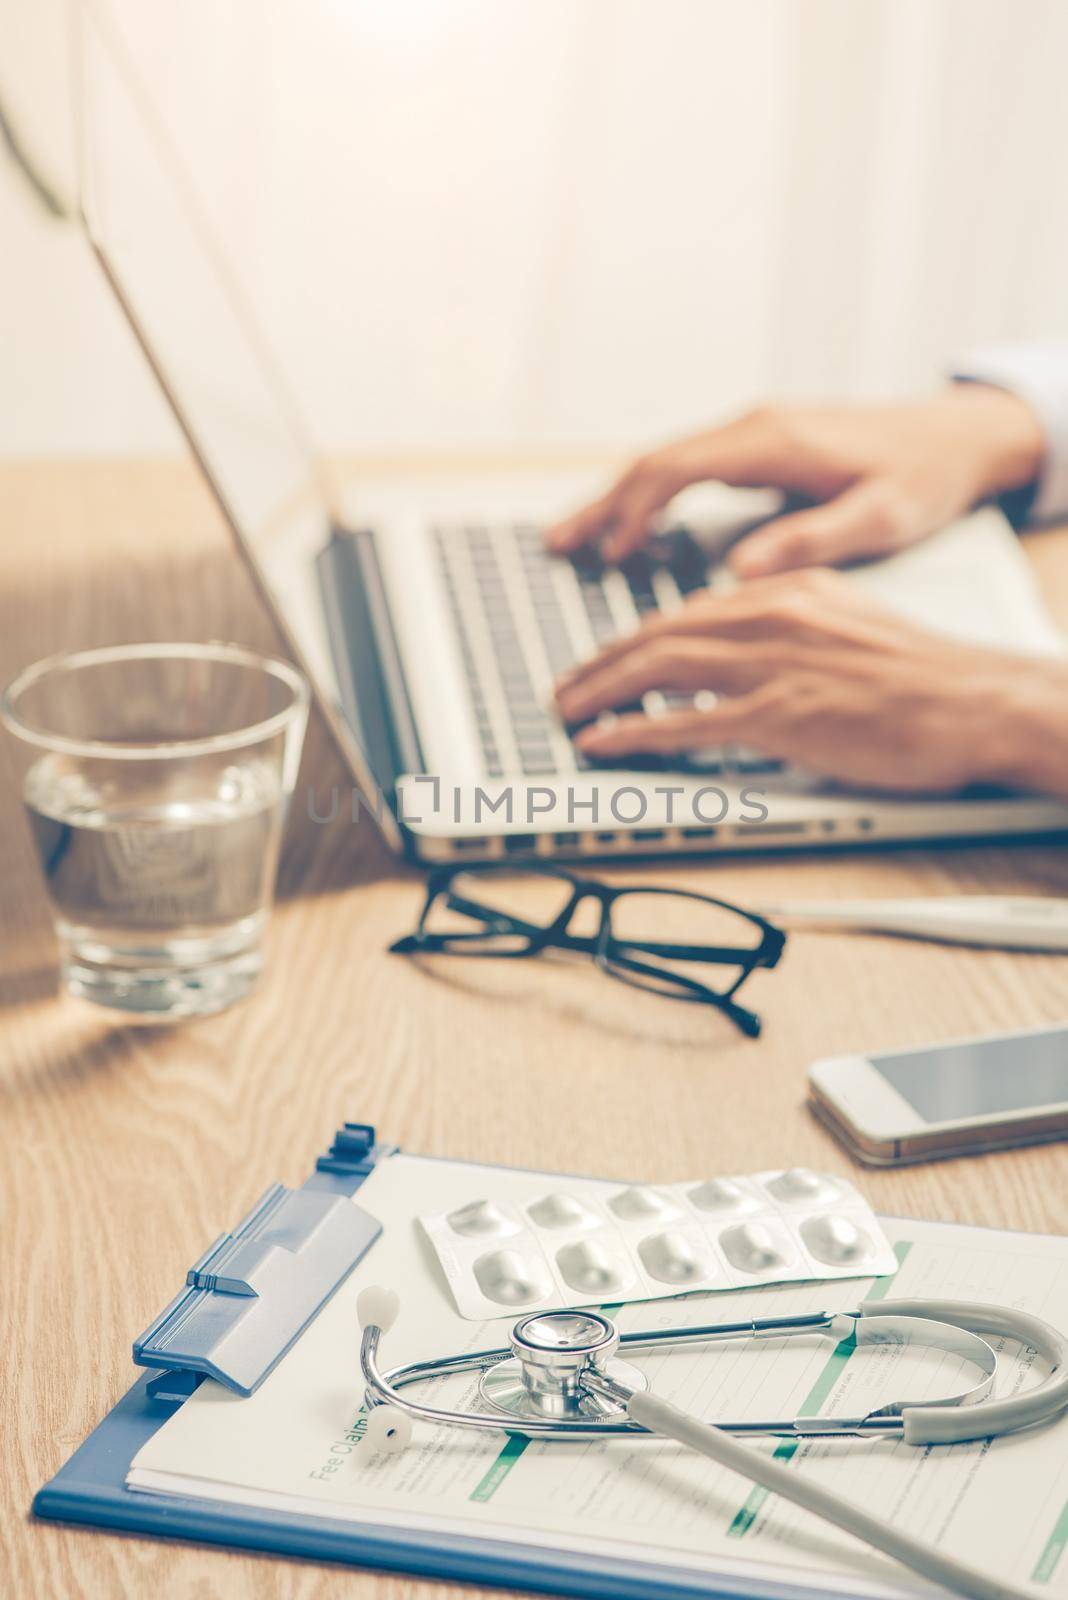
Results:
x,y
972,581
297,1443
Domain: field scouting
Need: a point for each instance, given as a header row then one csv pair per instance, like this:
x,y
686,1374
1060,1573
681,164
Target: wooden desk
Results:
x,y
125,1149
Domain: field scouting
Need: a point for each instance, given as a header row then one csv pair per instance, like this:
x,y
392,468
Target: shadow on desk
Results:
x,y
549,991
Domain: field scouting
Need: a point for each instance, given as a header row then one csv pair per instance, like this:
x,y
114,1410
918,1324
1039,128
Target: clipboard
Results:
x,y
245,1302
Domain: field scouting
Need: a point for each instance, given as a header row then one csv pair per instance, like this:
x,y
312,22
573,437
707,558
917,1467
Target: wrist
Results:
x,y
1003,436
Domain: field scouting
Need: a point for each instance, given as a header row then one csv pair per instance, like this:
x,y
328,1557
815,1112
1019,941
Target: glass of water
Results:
x,y
157,778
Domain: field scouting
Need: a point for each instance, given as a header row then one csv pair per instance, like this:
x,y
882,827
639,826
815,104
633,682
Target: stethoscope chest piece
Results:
x,y
553,1352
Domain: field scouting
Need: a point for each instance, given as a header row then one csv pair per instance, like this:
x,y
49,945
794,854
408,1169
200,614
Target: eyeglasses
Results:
x,y
662,940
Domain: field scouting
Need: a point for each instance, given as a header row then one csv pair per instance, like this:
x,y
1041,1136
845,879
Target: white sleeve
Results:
x,y
1039,375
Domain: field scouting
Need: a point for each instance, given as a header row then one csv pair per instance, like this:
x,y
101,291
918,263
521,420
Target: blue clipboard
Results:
x,y
244,1303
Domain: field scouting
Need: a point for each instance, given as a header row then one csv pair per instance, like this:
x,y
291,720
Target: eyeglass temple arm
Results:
x,y
746,1020
488,914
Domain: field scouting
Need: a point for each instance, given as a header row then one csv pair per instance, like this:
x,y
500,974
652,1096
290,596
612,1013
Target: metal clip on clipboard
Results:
x,y
253,1292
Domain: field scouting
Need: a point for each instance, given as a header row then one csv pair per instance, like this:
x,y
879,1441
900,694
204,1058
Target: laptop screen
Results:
x,y
193,320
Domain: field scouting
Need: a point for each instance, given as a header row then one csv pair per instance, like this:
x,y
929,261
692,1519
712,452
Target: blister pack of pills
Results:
x,y
582,1241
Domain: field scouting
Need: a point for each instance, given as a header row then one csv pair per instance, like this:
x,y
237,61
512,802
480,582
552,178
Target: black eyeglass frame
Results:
x,y
616,957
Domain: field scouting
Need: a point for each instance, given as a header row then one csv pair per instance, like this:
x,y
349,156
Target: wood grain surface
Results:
x,y
126,1149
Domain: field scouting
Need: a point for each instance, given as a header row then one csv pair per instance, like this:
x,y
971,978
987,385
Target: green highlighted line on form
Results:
x,y
813,1402
513,1449
1054,1549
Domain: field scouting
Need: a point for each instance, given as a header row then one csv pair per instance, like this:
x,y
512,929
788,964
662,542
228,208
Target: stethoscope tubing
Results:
x,y
954,1420
660,1417
951,1421
932,1424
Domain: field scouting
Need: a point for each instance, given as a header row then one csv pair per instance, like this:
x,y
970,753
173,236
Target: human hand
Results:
x,y
813,672
883,476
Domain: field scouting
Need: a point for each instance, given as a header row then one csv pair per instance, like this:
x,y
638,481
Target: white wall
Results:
x,y
480,222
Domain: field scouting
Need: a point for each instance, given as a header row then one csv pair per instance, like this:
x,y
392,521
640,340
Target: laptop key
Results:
x,y
531,725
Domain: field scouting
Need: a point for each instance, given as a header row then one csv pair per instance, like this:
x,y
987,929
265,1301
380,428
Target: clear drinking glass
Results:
x,y
157,778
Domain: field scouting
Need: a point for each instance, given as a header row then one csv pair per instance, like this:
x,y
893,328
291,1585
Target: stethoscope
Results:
x,y
560,1378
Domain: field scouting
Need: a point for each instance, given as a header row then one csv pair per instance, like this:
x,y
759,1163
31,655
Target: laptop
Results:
x,y
429,617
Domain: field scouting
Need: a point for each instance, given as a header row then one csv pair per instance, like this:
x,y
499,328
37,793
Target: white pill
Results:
x,y
562,1211
641,1204
752,1247
837,1241
511,1279
720,1195
479,1219
590,1269
800,1184
674,1258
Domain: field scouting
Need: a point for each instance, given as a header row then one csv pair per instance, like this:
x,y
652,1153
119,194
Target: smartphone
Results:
x,y
950,1099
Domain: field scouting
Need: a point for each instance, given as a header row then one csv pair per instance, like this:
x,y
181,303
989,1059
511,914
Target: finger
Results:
x,y
753,612
633,516
621,518
759,450
664,664
870,518
752,451
584,526
659,626
747,719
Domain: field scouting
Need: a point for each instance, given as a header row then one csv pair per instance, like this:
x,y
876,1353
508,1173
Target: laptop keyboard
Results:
x,y
522,618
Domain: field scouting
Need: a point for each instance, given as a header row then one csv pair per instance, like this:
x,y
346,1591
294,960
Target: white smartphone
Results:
x,y
946,1099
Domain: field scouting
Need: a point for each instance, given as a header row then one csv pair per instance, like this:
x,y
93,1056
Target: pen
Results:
x,y
1008,922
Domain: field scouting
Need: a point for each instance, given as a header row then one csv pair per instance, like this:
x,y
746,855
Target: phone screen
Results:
x,y
954,1082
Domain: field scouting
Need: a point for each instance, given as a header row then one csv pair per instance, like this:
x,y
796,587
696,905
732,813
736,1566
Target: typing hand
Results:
x,y
882,476
810,671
